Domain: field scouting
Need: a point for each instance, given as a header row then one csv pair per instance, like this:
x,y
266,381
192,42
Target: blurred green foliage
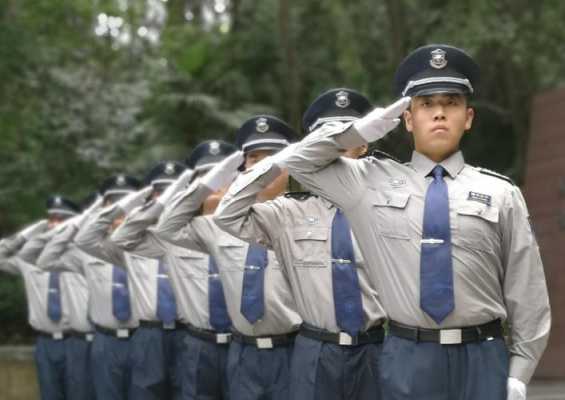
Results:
x,y
92,87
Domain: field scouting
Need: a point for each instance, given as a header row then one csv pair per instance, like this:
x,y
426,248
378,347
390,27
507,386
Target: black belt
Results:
x,y
266,342
470,334
53,335
88,336
208,335
158,324
120,333
372,335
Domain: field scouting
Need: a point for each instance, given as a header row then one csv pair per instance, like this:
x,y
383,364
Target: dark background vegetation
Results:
x,y
92,87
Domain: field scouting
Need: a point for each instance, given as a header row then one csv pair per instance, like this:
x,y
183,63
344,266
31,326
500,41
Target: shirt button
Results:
x,y
309,234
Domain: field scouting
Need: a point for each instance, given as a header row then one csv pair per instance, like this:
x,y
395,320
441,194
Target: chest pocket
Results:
x,y
232,254
194,265
477,226
310,247
390,211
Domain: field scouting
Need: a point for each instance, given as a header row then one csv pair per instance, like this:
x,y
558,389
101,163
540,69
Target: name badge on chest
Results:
x,y
480,198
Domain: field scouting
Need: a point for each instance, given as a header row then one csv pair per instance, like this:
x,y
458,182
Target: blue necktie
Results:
x,y
120,294
252,293
345,282
436,270
219,318
166,304
54,311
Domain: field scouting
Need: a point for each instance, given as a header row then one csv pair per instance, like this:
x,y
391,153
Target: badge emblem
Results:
x,y
397,182
311,220
121,180
342,99
438,60
170,169
261,125
214,148
58,202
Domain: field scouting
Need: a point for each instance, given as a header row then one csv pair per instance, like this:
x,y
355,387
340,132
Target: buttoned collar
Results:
x,y
453,164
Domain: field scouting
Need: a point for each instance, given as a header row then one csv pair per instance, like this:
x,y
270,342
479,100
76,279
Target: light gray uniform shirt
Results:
x,y
73,290
299,231
180,225
497,269
187,268
143,272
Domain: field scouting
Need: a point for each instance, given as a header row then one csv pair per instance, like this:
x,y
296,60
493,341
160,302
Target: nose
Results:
x,y
439,114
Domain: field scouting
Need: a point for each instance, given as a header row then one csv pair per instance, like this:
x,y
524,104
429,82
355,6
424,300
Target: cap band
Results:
x,y
323,120
159,181
118,191
264,143
60,211
440,79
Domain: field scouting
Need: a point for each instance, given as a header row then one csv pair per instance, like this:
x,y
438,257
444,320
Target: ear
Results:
x,y
408,120
469,118
364,149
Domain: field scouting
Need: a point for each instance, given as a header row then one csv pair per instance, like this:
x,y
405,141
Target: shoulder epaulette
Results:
x,y
299,195
495,174
381,155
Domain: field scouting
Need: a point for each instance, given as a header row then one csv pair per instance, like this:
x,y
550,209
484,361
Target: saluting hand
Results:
x,y
223,173
381,121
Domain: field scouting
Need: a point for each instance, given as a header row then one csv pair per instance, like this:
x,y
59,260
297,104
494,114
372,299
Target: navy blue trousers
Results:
x,y
327,371
63,369
203,368
131,368
430,371
173,344
259,374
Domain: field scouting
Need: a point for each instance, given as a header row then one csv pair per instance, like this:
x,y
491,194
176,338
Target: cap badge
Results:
x,y
58,202
261,125
170,169
342,99
214,148
121,180
438,60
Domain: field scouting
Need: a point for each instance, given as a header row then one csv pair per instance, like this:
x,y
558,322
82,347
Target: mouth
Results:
x,y
439,129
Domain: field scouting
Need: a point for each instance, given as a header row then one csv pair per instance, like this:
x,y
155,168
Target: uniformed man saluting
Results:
x,y
452,243
342,331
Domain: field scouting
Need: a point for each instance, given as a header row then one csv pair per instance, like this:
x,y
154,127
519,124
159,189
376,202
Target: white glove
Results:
x,y
132,200
179,184
381,121
224,172
516,389
34,229
77,221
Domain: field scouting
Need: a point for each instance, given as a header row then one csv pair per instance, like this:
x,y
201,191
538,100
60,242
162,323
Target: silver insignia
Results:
x,y
215,148
170,169
438,60
261,125
342,99
121,180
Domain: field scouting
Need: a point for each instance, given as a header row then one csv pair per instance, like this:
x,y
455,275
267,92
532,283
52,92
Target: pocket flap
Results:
x,y
391,199
311,233
475,209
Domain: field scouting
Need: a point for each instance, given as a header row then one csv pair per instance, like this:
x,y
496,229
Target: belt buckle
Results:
x,y
264,343
58,336
169,326
122,333
345,339
450,336
89,337
223,338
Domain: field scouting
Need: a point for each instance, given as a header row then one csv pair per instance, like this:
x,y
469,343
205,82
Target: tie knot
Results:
x,y
438,172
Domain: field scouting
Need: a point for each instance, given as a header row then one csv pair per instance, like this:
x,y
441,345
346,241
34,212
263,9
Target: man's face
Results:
x,y
438,123
254,156
53,220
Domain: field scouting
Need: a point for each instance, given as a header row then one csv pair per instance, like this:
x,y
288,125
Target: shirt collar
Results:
x,y
453,164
